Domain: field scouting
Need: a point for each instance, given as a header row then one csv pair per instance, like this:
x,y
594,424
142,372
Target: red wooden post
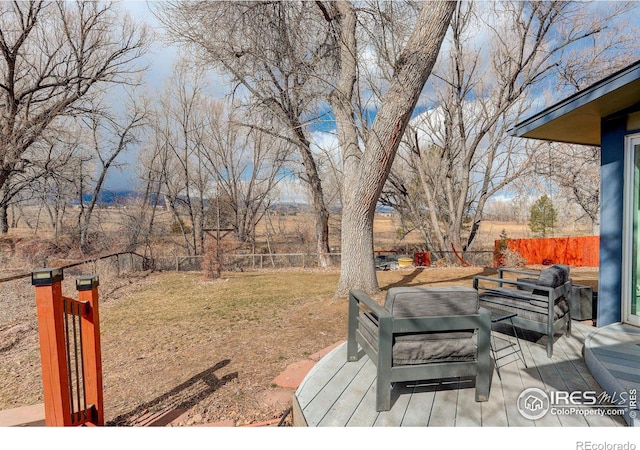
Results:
x,y
88,291
55,376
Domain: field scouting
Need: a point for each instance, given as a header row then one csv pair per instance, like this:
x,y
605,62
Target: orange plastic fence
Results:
x,y
577,251
68,403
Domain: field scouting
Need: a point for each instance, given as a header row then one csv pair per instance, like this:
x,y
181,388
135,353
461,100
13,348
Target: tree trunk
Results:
x,y
321,214
365,178
357,252
4,219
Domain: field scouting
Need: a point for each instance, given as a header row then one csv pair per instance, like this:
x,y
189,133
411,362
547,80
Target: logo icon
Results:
x,y
533,403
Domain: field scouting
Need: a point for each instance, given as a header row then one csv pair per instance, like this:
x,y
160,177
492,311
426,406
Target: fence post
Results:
x,y
87,287
55,376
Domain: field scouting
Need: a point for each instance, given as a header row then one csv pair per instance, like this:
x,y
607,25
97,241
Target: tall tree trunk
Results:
x,y
320,211
366,176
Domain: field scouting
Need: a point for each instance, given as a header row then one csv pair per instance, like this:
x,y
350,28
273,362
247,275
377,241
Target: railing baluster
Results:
x,y
81,365
75,355
68,305
92,363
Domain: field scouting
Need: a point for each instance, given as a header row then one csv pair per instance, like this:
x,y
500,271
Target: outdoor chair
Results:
x,y
540,299
422,333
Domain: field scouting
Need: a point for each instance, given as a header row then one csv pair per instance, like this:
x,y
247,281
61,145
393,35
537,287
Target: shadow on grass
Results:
x,y
178,399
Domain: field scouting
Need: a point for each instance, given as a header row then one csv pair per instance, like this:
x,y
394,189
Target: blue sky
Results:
x,y
160,61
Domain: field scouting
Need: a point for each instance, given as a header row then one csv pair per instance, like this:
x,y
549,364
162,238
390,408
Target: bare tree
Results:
x,y
574,170
53,55
275,53
246,164
179,122
109,134
141,221
202,159
57,184
460,153
366,170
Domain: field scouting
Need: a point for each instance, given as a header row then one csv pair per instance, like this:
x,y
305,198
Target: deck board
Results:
x,y
444,407
400,397
338,394
365,414
345,405
470,414
572,368
494,413
323,402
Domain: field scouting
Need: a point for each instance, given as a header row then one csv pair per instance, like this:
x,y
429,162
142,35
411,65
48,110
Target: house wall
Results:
x,y
611,210
614,130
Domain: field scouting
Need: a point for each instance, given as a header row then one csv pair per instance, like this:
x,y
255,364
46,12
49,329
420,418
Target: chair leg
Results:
x,y
383,393
352,349
485,362
352,344
384,364
550,346
483,385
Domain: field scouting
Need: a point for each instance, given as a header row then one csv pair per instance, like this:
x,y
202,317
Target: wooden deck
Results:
x,y
341,394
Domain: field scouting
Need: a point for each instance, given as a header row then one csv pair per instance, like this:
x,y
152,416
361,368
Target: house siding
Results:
x,y
611,220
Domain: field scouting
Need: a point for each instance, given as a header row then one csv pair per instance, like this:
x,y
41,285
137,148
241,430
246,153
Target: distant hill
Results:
x,y
111,198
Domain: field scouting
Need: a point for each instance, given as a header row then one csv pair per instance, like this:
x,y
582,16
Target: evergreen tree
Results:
x,y
543,216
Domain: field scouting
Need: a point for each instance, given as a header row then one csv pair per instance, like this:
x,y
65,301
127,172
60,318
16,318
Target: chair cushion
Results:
x,y
553,276
423,348
418,351
430,301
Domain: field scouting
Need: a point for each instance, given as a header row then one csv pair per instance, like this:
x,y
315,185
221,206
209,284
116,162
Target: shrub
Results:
x,y
178,226
511,258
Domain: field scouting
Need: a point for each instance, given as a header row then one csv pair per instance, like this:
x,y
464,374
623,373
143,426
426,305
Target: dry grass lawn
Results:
x,y
176,340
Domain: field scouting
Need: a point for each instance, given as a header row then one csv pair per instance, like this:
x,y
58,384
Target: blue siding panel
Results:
x,y
611,214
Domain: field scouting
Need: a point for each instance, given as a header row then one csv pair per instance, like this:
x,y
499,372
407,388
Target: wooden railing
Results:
x,y
62,264
69,331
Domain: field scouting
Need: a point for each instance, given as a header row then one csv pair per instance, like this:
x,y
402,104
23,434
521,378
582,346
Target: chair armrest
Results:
x,y
501,281
357,297
517,271
552,293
